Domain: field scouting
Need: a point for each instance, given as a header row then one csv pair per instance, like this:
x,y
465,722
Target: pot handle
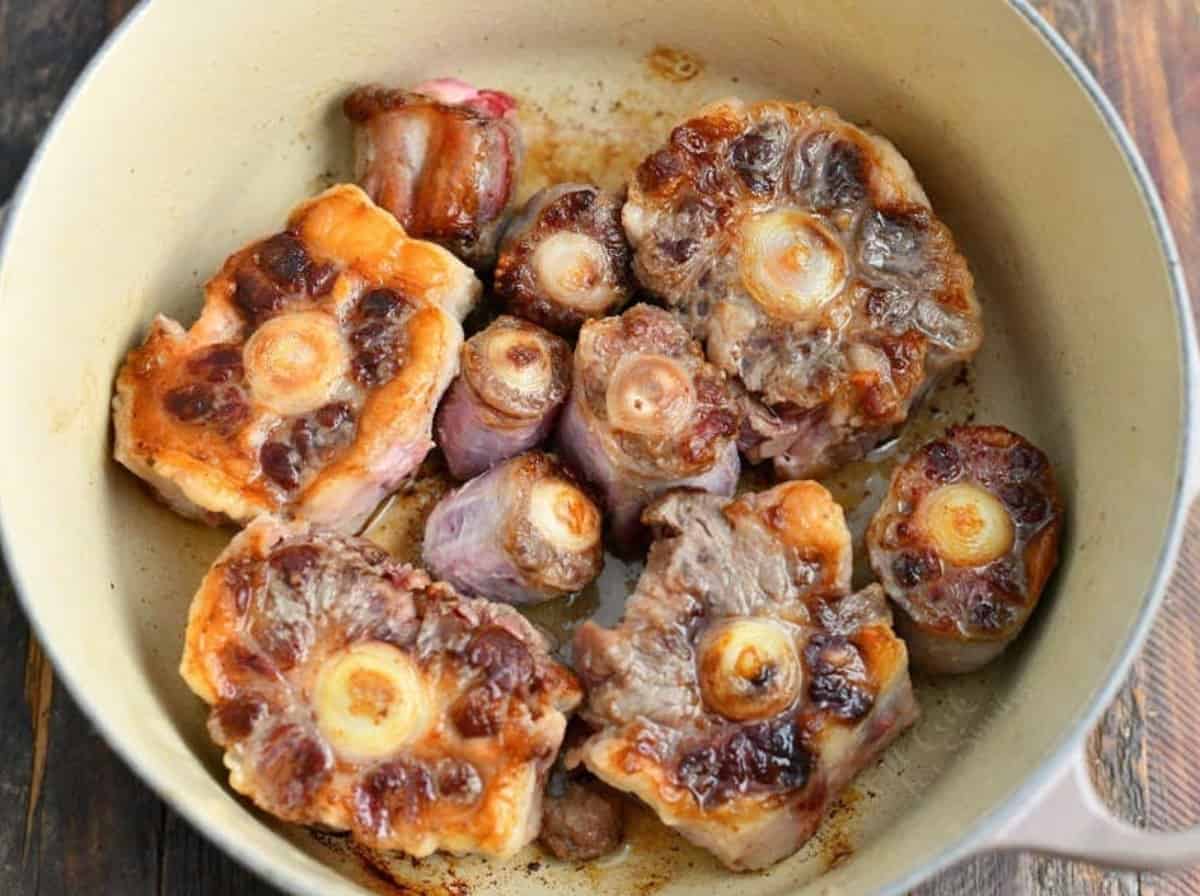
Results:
x,y
1069,820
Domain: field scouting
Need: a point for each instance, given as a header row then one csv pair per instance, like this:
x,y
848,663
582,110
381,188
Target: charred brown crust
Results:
x,y
990,602
586,210
846,374
190,420
263,627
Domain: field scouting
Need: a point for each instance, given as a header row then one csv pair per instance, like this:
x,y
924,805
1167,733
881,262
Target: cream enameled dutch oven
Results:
x,y
201,124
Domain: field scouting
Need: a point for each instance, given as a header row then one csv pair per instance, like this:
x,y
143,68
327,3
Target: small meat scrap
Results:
x,y
582,819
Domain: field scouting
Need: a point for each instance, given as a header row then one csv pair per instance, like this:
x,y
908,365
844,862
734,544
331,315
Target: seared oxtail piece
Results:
x,y
524,532
442,157
805,255
351,692
964,543
745,685
646,414
564,259
513,381
309,383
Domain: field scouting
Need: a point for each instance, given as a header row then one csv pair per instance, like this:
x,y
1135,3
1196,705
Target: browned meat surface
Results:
x,y
564,258
442,157
350,691
646,413
805,255
583,820
309,383
964,543
745,685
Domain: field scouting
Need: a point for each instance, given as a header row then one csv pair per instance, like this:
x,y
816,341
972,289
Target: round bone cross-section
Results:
x,y
351,692
523,532
745,684
309,383
805,255
646,413
515,377
964,543
564,258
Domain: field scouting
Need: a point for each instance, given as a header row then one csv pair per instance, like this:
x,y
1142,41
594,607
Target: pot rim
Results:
x,y
975,838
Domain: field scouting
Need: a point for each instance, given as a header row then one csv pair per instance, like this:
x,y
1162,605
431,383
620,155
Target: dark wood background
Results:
x,y
75,820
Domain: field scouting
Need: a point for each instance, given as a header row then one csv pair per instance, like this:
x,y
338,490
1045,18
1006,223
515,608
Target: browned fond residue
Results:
x,y
399,527
564,145
378,869
673,64
836,835
555,156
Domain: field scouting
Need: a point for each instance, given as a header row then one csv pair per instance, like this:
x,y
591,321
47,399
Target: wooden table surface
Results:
x,y
75,820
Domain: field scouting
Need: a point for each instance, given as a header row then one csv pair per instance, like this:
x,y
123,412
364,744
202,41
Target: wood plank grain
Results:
x,y
39,692
45,43
1171,663
98,827
194,867
19,857
1151,54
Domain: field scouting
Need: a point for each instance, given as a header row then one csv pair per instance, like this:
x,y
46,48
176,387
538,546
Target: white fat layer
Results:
x,y
415,141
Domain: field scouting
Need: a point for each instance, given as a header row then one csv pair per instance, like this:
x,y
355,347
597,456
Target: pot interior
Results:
x,y
207,122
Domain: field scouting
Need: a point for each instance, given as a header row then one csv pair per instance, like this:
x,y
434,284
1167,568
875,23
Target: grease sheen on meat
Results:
x,y
350,691
308,384
443,158
745,684
646,413
804,253
964,542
